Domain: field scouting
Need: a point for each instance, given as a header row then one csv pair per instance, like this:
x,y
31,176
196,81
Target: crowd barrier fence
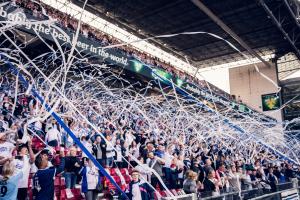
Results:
x,y
285,191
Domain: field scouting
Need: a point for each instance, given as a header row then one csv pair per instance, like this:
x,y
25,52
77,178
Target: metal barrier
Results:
x,y
224,196
257,193
182,197
291,194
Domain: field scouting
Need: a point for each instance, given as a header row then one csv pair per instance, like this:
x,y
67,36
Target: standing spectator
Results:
x,y
90,180
86,144
167,157
143,169
149,148
98,150
53,137
71,168
289,173
139,190
118,155
109,152
246,180
6,149
175,169
234,179
211,184
9,182
272,180
189,184
43,179
23,162
125,152
156,164
221,175
180,164
134,150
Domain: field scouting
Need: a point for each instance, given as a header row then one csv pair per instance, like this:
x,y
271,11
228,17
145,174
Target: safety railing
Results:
x,y
282,190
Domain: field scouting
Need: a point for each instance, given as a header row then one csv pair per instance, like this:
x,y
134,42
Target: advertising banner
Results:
x,y
26,21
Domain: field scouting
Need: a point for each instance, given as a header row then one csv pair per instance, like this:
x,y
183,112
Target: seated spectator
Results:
x,y
138,189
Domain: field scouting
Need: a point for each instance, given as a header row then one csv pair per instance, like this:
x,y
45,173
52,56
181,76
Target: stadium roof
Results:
x,y
253,21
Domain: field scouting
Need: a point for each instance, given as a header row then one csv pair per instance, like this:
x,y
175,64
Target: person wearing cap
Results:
x,y
139,190
43,179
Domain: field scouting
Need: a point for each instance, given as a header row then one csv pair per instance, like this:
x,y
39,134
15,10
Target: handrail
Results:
x,y
274,193
245,192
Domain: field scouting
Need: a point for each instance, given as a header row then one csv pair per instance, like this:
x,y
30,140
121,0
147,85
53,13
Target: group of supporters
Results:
x,y
157,160
70,23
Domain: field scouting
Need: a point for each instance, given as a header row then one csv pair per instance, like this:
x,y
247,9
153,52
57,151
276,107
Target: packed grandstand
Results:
x,y
76,127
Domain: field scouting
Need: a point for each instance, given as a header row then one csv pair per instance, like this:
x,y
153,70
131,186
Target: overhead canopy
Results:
x,y
247,18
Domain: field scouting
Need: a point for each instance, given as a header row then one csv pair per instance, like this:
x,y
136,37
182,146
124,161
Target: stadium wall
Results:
x,y
248,85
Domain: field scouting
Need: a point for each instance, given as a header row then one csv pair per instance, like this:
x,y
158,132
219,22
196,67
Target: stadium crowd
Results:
x,y
32,154
66,21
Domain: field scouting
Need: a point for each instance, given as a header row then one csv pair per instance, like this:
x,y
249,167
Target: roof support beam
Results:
x,y
278,24
291,12
219,22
